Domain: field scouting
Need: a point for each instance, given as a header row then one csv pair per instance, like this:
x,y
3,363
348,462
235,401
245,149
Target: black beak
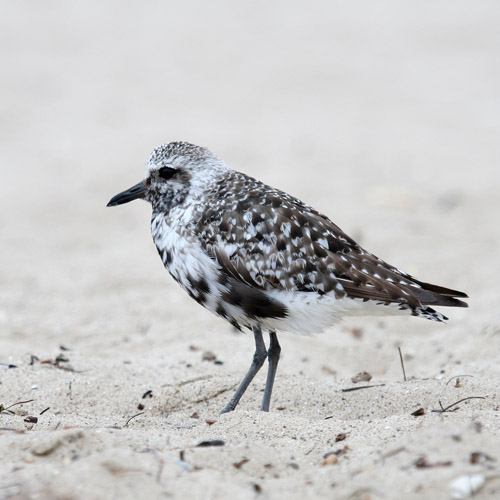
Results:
x,y
135,192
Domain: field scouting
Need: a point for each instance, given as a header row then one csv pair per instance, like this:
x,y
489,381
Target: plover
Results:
x,y
264,260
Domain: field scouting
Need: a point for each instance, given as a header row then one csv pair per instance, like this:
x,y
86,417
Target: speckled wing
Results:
x,y
270,240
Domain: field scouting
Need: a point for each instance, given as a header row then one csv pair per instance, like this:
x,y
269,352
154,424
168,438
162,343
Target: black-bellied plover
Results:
x,y
262,259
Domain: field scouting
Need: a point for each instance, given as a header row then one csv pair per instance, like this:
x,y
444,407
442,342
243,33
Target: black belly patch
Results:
x,y
255,303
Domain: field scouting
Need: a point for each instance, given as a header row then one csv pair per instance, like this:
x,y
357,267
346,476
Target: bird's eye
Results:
x,y
166,172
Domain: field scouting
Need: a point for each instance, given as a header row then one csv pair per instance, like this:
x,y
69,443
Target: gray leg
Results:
x,y
273,356
259,357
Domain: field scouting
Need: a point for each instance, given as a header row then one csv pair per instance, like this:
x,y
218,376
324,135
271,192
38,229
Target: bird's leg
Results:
x,y
273,356
259,357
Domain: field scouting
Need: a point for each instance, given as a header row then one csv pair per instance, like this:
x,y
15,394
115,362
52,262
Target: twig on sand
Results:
x,y
458,376
14,404
402,363
448,408
350,389
133,416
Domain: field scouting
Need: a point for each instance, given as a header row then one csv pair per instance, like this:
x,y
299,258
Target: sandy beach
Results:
x,y
384,116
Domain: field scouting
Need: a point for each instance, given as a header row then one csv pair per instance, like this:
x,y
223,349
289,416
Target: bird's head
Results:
x,y
173,171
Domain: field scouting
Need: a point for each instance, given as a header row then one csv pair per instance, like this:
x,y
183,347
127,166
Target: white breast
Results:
x,y
187,261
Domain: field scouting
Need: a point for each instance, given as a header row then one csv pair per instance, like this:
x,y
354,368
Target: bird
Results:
x,y
264,260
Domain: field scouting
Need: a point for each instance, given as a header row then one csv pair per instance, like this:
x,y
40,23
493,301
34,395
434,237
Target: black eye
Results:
x,y
166,172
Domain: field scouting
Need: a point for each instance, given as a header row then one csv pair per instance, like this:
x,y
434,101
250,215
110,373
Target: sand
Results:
x,y
384,116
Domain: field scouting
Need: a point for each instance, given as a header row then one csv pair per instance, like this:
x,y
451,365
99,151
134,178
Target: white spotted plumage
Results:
x,y
255,255
260,258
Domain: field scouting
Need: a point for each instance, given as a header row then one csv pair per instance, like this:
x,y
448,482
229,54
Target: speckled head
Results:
x,y
177,155
173,171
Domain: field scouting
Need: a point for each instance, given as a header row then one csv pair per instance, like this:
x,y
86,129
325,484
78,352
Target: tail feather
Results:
x,y
441,290
436,295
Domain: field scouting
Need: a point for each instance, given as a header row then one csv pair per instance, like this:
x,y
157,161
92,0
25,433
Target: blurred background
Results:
x,y
383,115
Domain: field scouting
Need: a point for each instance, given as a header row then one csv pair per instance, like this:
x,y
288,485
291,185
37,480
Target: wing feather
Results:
x,y
270,240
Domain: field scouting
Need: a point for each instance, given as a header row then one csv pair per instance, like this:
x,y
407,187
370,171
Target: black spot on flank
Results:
x,y
233,297
202,285
275,202
259,236
201,288
255,303
255,218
